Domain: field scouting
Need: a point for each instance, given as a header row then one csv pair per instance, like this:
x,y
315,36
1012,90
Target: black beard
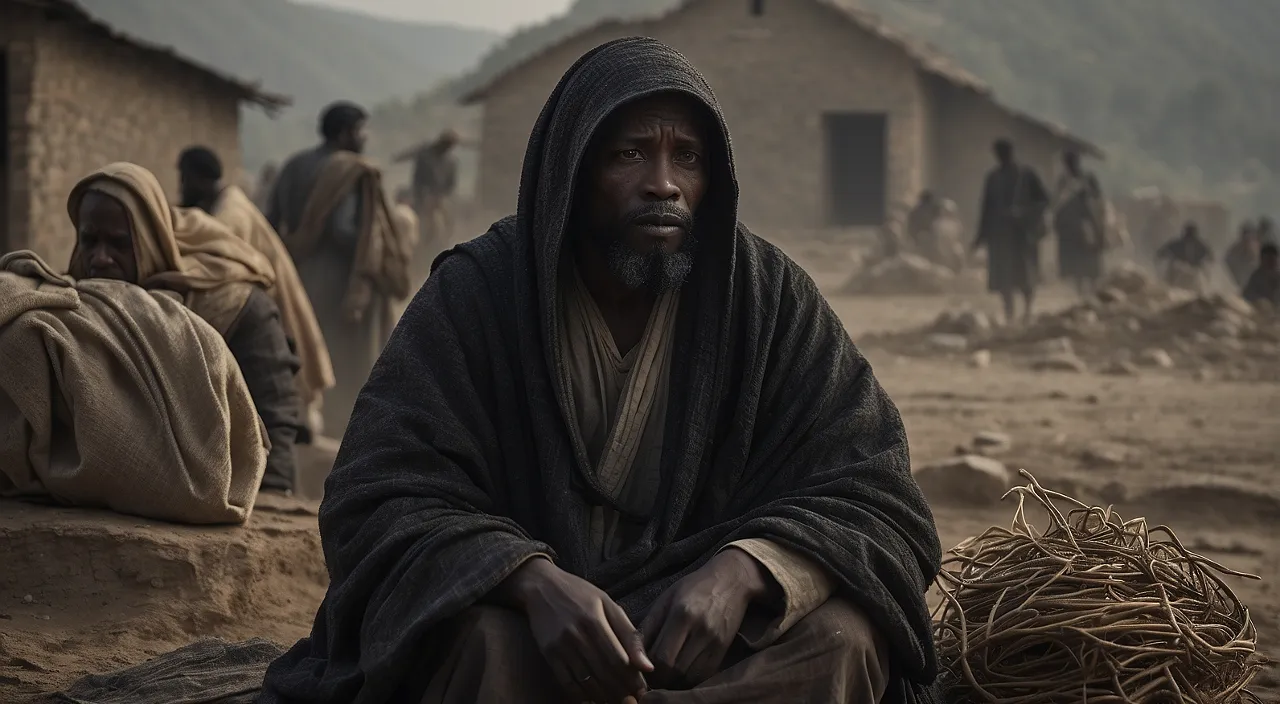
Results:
x,y
655,270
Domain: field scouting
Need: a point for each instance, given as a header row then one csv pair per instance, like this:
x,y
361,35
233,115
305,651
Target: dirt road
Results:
x,y
1084,434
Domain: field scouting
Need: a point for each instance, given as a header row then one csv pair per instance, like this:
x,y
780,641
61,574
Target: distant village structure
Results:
x,y
835,119
76,94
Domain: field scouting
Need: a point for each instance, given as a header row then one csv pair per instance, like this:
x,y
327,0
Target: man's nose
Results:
x,y
100,257
661,185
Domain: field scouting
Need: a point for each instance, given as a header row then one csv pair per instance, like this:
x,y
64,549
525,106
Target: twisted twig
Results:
x,y
1095,609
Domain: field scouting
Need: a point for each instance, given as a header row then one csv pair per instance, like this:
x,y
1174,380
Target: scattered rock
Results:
x,y
1057,345
963,322
980,359
1102,455
970,479
1120,367
991,443
1155,357
27,598
1060,363
949,342
904,274
1112,296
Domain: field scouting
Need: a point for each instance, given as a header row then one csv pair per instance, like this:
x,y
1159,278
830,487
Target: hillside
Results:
x,y
313,54
1181,93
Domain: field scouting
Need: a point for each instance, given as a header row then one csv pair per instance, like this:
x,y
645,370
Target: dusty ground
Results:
x,y
117,596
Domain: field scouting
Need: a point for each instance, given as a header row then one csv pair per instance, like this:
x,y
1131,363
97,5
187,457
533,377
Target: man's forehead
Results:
x,y
666,109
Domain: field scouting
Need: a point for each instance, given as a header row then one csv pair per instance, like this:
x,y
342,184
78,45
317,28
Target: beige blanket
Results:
x,y
116,397
242,217
178,249
383,251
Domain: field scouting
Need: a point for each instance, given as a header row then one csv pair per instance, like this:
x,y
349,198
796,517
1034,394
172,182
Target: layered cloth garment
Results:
x,y
1079,223
117,397
315,374
222,279
466,455
331,213
1010,226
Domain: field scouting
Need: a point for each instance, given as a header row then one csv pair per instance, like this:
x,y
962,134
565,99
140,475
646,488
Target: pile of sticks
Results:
x,y
1095,609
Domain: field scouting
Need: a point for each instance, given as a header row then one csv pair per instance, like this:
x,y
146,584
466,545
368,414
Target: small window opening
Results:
x,y
757,7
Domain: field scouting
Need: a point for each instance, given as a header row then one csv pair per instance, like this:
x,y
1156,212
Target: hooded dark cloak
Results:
x,y
458,463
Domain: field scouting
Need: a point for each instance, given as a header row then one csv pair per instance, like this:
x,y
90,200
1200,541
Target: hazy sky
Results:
x,y
500,15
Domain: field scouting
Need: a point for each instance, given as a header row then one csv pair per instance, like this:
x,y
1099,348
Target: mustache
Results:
x,y
662,209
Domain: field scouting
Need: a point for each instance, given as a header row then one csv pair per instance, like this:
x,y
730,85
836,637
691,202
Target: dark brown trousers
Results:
x,y
832,656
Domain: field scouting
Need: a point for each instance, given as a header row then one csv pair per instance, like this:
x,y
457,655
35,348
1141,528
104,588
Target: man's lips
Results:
x,y
661,225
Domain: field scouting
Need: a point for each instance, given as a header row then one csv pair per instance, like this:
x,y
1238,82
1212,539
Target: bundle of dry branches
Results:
x,y
1095,609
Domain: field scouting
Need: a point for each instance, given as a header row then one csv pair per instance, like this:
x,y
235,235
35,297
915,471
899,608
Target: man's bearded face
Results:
x,y
645,176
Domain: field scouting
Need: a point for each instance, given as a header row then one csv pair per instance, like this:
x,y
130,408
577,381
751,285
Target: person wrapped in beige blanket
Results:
x,y
126,230
117,397
200,178
332,214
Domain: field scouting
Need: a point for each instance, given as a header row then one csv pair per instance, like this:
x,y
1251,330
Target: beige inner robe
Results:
x,y
620,407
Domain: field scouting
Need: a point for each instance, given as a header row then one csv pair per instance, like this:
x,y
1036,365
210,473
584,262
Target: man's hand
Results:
x,y
587,639
691,626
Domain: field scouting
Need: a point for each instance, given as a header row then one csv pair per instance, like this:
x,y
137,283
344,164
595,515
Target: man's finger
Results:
x,y
653,620
565,676
670,640
585,687
631,640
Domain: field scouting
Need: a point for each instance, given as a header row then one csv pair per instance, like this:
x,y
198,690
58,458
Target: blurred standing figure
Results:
x,y
1242,256
200,178
266,184
435,177
1263,287
1188,257
1266,231
1010,226
1080,223
331,213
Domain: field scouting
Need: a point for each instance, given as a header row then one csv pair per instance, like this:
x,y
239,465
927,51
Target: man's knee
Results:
x,y
838,625
493,629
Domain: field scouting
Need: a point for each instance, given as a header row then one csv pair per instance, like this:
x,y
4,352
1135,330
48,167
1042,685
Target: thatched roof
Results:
x,y
928,59
73,12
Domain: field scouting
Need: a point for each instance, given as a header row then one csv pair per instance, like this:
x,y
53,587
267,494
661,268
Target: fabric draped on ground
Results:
x,y
242,217
113,396
209,671
457,464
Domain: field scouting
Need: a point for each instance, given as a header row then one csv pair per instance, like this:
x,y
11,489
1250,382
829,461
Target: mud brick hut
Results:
x,y
76,94
835,118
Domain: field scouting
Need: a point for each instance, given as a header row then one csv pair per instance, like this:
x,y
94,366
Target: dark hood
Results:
x,y
602,81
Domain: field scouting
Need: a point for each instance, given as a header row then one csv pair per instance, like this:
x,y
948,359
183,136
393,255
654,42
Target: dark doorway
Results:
x,y
856,168
6,240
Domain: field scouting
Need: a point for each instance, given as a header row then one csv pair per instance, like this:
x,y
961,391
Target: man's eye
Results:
x,y
629,154
687,157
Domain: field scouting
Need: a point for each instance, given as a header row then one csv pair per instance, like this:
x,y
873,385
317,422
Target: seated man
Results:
x,y
620,447
1263,287
200,179
116,397
125,230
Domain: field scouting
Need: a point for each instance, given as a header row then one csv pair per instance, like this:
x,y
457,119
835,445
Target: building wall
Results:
x,y
775,75
17,41
95,101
